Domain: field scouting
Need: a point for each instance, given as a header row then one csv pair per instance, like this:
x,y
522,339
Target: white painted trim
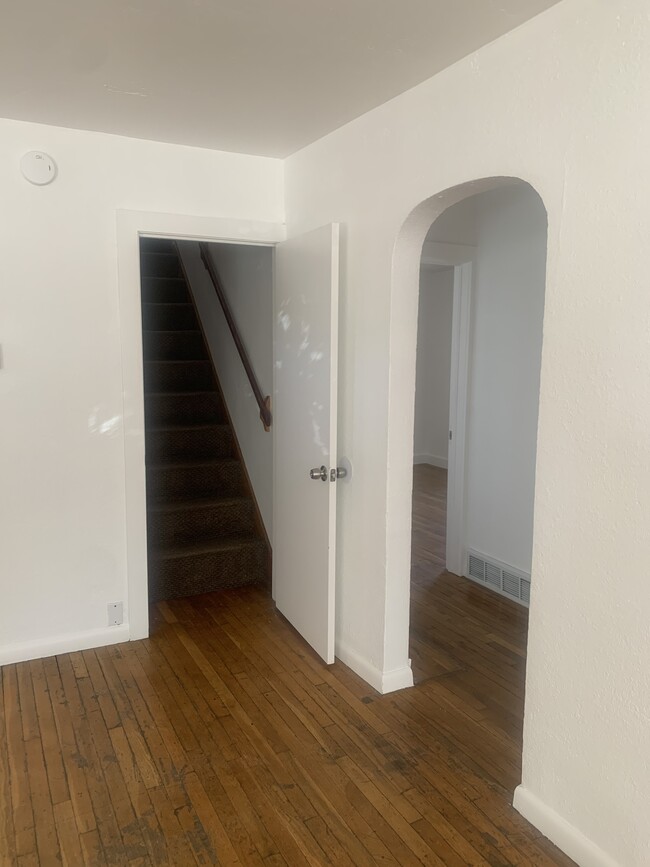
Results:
x,y
398,678
359,665
458,395
383,681
130,226
569,839
431,460
25,650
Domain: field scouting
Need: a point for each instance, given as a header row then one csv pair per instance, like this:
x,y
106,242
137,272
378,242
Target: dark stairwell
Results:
x,y
204,530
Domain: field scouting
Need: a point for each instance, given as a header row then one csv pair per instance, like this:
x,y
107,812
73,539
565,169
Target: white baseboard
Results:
x,y
432,460
397,678
571,841
23,651
383,681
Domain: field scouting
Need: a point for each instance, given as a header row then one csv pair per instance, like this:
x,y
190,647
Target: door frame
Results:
x,y
458,400
130,227
460,258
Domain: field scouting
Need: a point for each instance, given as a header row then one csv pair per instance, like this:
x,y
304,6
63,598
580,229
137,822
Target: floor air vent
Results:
x,y
499,577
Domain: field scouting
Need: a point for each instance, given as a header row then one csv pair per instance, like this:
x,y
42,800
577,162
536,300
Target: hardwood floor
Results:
x,y
223,739
468,640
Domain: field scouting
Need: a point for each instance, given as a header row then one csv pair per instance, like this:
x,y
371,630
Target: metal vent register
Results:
x,y
499,577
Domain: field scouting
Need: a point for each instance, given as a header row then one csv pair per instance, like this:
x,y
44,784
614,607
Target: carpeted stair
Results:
x,y
203,529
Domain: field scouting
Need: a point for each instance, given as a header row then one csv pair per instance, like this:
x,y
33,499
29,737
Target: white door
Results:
x,y
304,422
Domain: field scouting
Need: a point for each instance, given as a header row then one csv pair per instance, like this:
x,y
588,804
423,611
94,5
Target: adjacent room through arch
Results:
x,y
481,304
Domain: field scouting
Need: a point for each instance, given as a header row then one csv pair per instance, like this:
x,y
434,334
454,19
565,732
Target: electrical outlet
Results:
x,y
115,614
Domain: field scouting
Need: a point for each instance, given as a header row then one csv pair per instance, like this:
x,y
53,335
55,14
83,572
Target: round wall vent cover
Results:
x,y
39,168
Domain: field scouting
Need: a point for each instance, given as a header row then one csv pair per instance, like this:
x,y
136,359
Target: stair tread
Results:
x,y
174,428
179,361
207,546
195,503
181,393
168,304
197,462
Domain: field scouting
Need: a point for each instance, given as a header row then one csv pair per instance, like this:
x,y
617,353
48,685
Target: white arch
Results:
x,y
405,287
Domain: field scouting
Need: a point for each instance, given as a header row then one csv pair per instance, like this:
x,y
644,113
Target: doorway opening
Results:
x,y
302,295
431,439
131,226
481,303
208,457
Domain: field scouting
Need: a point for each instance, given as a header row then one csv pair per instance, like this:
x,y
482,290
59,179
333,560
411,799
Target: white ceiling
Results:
x,y
254,76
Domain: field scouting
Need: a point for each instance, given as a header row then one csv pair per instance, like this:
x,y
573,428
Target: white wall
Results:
x,y
246,274
506,229
62,511
457,224
561,102
506,347
431,431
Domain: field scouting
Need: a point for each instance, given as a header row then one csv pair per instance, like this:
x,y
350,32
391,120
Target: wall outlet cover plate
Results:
x,y
115,614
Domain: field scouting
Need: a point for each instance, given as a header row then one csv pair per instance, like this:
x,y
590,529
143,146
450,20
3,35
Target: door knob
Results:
x,y
319,473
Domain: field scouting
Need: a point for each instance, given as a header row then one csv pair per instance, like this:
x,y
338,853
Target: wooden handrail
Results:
x,y
264,403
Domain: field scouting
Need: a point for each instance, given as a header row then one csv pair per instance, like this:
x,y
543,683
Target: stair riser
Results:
x,y
165,484
184,409
228,519
165,290
174,346
203,573
186,444
160,265
184,376
169,317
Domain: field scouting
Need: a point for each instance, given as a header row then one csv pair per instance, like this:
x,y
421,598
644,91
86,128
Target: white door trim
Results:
x,y
131,225
458,396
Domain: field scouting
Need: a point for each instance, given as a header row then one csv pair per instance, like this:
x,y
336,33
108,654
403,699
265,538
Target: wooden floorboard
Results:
x,y
223,738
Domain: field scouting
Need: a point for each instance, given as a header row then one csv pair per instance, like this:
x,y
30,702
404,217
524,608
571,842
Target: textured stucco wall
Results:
x,y
63,391
562,103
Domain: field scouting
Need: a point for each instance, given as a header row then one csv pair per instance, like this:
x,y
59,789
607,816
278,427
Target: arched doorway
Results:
x,y
469,641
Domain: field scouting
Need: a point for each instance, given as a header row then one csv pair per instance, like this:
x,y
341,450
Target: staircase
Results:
x,y
204,531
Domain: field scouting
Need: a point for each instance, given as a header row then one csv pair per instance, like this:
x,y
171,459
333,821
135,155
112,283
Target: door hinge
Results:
x,y
449,434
